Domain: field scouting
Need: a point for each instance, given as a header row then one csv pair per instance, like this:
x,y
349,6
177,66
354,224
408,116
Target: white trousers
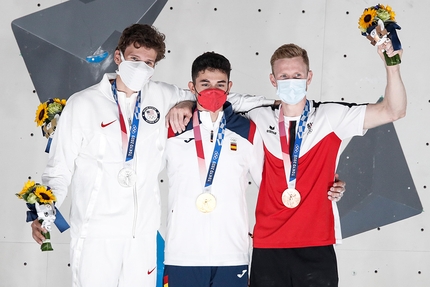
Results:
x,y
114,262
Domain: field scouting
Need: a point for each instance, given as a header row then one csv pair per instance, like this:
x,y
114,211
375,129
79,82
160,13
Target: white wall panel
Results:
x,y
345,67
383,268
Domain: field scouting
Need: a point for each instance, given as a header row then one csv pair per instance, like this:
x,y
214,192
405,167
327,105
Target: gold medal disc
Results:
x,y
206,202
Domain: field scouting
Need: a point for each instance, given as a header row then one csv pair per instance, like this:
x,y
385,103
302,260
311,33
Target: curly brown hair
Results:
x,y
143,35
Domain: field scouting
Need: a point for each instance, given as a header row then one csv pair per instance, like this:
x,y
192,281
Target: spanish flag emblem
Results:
x,y
233,145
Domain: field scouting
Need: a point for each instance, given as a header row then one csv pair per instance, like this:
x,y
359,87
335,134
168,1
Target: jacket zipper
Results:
x,y
135,202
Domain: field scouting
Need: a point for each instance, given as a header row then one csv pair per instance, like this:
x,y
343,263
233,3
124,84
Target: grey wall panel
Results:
x,y
56,41
380,186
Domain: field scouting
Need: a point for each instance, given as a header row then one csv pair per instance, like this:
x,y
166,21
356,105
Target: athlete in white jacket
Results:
x,y
107,150
207,241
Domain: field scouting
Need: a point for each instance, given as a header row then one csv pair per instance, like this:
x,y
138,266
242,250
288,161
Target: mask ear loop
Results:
x,y
197,94
195,89
121,55
227,91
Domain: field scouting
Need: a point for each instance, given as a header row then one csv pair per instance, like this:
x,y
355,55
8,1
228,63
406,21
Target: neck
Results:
x,y
120,86
293,110
214,116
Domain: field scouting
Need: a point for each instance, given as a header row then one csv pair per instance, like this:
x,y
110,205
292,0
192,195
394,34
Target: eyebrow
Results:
x,y
207,81
137,56
133,56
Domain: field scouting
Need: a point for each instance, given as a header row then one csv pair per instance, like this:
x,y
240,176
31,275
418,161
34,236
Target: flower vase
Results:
x,y
392,61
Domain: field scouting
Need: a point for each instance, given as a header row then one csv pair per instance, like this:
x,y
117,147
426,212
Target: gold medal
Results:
x,y
206,202
291,198
126,177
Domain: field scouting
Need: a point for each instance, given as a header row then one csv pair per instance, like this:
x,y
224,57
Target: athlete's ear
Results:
x,y
191,87
230,84
117,57
273,80
309,79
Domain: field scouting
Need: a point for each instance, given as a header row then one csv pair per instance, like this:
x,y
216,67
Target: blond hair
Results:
x,y
289,51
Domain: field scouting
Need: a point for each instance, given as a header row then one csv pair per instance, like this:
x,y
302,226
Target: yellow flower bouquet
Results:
x,y
378,23
47,116
40,200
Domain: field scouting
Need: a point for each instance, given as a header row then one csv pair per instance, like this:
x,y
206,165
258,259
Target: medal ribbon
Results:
x,y
128,145
200,153
292,165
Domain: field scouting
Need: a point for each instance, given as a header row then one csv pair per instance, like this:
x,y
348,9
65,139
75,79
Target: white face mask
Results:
x,y
291,91
134,74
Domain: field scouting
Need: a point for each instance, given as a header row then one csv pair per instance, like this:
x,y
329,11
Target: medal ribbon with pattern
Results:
x,y
291,165
128,145
200,153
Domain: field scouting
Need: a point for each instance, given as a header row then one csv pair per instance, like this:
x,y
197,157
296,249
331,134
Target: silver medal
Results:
x,y
126,177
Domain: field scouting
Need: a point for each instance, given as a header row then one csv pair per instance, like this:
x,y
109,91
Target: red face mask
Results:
x,y
212,99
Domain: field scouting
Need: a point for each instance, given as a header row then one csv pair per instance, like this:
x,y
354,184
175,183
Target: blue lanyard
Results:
x,y
217,149
297,144
217,152
134,128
